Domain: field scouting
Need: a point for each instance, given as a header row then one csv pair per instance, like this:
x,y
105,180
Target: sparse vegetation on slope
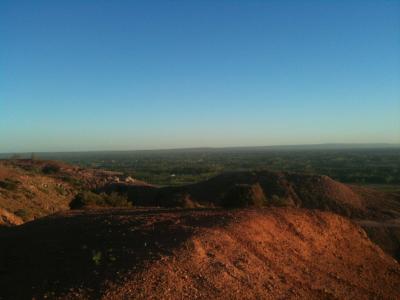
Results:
x,y
30,189
266,188
89,199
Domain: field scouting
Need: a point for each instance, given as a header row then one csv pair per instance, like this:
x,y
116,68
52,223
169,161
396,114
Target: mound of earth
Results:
x,y
30,189
275,188
205,254
264,188
27,193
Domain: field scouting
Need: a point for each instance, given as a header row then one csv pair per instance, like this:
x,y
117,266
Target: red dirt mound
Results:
x,y
206,254
290,189
30,189
243,189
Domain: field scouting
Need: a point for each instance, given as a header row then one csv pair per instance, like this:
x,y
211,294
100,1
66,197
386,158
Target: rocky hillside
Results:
x,y
265,188
30,189
275,188
366,206
204,254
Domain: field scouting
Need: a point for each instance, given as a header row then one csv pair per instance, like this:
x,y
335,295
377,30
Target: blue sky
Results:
x,y
118,75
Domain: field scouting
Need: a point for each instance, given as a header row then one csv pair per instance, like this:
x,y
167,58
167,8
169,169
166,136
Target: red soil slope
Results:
x,y
30,189
298,190
290,189
205,254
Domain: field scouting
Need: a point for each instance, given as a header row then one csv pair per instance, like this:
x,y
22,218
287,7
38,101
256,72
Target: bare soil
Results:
x,y
29,191
274,253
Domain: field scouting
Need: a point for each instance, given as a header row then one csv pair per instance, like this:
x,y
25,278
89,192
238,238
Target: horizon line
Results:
x,y
214,148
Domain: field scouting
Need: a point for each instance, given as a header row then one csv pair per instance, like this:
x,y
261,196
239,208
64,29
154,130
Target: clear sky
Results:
x,y
99,75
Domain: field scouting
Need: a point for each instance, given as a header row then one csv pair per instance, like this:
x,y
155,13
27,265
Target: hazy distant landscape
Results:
x,y
365,164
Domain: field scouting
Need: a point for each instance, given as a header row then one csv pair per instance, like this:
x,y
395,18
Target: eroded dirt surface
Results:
x,y
275,253
30,189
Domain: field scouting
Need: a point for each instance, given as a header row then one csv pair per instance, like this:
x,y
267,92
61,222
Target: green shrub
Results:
x,y
96,257
60,190
23,214
51,169
116,200
9,184
29,194
71,180
90,199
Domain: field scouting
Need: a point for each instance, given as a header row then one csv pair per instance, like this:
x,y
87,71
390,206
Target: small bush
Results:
x,y
9,184
60,190
29,194
116,200
23,214
51,169
90,199
71,180
96,257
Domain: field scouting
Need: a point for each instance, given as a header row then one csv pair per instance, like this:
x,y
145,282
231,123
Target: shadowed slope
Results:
x,y
300,190
204,254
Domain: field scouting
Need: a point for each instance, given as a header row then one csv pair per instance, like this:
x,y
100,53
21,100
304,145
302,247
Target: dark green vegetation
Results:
x,y
364,165
24,214
9,184
51,169
90,199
